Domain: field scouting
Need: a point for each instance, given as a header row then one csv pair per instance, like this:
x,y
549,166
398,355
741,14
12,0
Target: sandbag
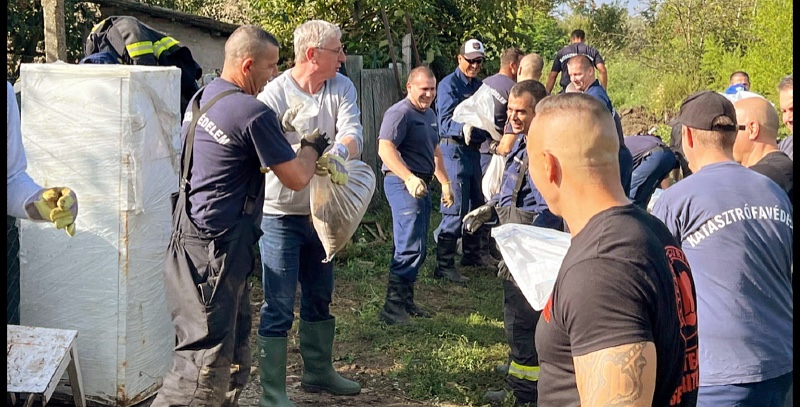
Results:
x,y
533,255
337,210
478,111
309,109
493,179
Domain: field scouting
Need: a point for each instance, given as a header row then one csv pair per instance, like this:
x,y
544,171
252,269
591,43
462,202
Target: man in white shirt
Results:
x,y
291,251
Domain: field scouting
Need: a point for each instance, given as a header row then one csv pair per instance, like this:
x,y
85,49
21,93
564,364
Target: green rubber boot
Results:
x,y
316,348
272,372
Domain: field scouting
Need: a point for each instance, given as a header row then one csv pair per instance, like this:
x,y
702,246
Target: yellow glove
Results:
x,y
416,187
447,195
333,165
58,205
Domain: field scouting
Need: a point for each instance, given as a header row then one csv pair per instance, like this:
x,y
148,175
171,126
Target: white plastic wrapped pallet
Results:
x,y
112,134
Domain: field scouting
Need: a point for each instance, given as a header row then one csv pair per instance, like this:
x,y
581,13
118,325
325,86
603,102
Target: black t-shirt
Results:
x,y
571,50
624,280
777,166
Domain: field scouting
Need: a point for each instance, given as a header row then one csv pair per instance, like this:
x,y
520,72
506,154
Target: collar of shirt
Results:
x,y
460,75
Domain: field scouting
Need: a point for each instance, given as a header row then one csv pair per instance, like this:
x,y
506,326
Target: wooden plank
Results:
x,y
379,94
37,358
55,33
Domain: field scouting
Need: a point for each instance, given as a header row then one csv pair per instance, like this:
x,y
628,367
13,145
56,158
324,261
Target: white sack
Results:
x,y
478,111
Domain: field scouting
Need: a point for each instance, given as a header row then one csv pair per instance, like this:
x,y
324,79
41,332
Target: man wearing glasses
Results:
x,y
460,144
291,251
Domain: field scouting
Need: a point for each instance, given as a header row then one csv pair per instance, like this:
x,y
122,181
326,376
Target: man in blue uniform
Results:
x,y
460,145
652,162
229,139
581,73
518,202
408,144
576,47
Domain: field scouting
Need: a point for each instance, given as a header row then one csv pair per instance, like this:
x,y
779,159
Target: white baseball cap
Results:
x,y
472,49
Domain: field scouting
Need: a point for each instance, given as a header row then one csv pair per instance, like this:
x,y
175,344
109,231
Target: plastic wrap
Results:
x,y
112,134
492,180
336,210
533,255
309,109
478,111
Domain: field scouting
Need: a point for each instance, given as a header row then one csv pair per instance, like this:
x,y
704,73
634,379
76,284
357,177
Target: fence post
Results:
x,y
55,34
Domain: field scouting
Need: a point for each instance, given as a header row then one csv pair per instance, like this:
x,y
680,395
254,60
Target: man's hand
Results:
x,y
333,165
316,140
58,205
288,117
416,187
475,219
493,146
467,132
447,195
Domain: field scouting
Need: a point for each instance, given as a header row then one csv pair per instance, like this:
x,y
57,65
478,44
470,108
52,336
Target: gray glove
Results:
x,y
288,116
466,131
316,140
475,219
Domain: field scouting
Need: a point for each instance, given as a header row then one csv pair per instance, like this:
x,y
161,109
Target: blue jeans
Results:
x,y
646,177
291,252
769,393
410,220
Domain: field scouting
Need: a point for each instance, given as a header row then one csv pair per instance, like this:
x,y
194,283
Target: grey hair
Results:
x,y
786,83
314,33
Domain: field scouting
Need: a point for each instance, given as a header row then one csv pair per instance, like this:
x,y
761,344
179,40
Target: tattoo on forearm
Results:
x,y
622,366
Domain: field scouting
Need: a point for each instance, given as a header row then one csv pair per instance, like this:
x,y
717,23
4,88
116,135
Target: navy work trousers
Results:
x,y
410,220
464,168
655,167
769,393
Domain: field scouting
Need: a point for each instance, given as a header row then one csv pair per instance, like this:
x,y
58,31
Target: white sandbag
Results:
x,y
653,198
337,210
478,111
493,179
533,255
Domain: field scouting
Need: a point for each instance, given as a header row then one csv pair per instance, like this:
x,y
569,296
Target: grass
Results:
x,y
448,359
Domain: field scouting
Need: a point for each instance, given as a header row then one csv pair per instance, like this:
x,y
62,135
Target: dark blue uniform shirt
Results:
x,y
414,133
625,158
233,140
452,90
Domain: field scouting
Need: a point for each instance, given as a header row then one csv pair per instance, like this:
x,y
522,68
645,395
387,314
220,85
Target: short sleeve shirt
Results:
x,y
501,87
778,167
623,280
233,140
414,133
571,50
641,144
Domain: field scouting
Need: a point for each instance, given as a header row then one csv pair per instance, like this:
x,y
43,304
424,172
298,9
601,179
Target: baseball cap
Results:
x,y
472,49
701,108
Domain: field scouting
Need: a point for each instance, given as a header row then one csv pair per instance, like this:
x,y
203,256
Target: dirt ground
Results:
x,y
636,120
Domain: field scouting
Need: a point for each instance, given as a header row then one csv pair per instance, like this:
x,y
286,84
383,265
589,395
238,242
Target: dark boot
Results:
x,y
411,307
496,397
316,348
394,310
474,255
494,251
272,372
445,261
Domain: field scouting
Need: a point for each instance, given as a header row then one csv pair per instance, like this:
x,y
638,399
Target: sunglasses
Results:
x,y
476,61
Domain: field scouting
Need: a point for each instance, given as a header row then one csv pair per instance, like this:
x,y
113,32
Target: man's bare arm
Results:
x,y
506,144
352,146
297,173
388,153
624,375
551,81
438,166
601,68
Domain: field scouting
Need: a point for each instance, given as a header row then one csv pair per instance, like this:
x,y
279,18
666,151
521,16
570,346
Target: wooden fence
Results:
x,y
377,91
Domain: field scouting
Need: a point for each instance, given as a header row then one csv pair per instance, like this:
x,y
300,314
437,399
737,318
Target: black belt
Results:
x,y
457,142
428,178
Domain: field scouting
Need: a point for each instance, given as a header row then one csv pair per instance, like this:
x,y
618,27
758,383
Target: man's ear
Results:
x,y
754,129
552,168
687,138
310,51
246,65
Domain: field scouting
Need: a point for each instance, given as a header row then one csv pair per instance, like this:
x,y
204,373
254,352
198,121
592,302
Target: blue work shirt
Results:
x,y
413,132
501,87
528,198
452,90
625,158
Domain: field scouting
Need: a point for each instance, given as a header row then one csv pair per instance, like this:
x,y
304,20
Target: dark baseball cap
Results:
x,y
699,110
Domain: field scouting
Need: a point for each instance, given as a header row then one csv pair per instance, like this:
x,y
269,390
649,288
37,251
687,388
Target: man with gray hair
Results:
x,y
786,100
291,250
216,218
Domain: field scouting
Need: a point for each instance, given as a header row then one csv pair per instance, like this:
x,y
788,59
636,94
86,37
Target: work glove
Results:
x,y
467,132
475,219
415,186
333,165
288,116
316,140
58,205
493,146
447,195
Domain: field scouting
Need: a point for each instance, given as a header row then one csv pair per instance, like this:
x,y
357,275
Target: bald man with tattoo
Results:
x,y
620,327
